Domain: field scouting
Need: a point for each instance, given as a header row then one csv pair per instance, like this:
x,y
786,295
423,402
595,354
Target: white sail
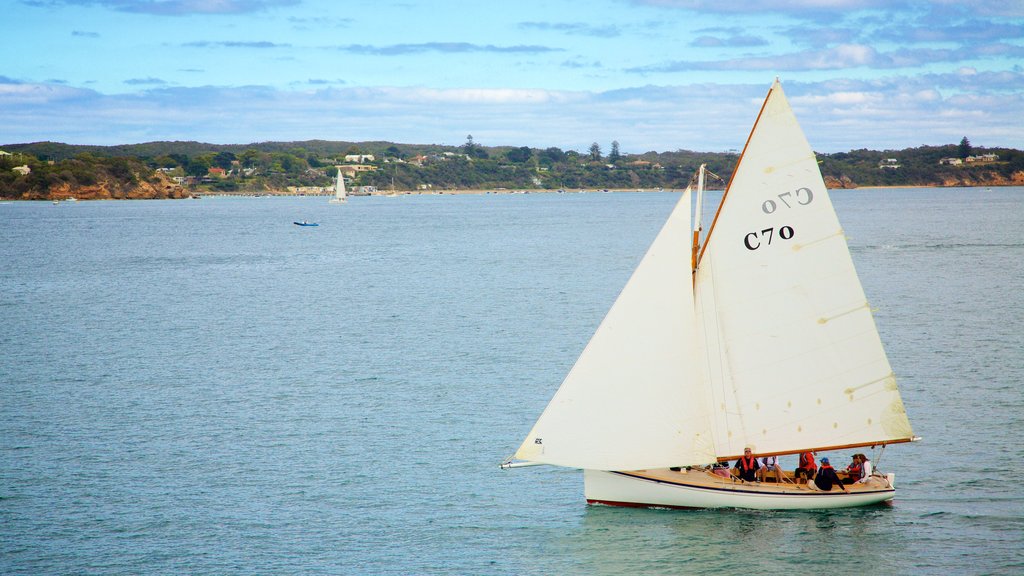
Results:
x,y
793,358
340,194
632,400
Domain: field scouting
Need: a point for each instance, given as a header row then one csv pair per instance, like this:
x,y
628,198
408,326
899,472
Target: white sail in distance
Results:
x,y
340,194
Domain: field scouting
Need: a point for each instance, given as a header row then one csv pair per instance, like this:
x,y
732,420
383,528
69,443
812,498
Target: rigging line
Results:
x,y
717,177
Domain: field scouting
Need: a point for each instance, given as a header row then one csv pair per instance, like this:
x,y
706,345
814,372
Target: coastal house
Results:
x,y
979,159
24,170
359,158
351,170
217,172
890,163
983,158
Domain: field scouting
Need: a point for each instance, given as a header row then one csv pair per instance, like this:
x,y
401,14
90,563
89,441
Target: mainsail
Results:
x,y
793,358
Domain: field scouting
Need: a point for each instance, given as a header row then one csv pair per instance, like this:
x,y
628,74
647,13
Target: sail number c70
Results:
x,y
790,199
754,240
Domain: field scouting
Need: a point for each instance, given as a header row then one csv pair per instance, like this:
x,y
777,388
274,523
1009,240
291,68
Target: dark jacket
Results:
x,y
826,478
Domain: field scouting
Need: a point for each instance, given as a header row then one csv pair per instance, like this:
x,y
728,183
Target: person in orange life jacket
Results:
x,y
746,467
854,471
807,468
827,477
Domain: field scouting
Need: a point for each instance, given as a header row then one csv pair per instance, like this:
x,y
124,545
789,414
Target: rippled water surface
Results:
x,y
201,387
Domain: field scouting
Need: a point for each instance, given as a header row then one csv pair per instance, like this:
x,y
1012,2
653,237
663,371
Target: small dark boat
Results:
x,y
304,223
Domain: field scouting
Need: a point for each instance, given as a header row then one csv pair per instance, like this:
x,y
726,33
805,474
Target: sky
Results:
x,y
652,75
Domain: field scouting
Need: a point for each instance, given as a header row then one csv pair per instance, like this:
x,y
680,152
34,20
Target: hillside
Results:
x,y
52,170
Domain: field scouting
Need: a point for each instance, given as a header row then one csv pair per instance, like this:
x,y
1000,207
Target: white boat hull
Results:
x,y
668,489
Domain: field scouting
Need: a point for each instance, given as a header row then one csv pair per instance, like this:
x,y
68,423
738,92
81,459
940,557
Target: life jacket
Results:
x,y
748,463
807,461
855,471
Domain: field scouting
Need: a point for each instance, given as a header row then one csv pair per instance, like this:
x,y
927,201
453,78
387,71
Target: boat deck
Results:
x,y
708,479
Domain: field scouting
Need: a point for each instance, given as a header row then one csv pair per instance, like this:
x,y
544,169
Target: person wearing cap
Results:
x,y
854,471
827,477
746,467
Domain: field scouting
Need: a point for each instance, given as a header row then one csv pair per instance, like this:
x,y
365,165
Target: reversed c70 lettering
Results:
x,y
800,196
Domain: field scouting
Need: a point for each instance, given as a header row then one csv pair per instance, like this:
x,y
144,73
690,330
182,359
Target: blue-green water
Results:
x,y
201,387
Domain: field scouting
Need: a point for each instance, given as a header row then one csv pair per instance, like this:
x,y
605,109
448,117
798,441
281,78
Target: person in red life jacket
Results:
x,y
746,467
827,478
854,471
806,469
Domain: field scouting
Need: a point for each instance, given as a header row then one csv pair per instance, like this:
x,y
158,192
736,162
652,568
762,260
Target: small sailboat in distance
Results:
x,y
757,336
340,194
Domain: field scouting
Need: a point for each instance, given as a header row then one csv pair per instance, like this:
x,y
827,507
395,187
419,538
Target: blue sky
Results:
x,y
651,74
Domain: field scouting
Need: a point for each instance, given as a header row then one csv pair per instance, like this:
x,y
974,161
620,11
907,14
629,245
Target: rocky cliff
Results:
x,y
154,187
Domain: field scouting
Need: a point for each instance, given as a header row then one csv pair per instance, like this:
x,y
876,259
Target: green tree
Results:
x,y
169,161
253,158
223,160
472,149
614,155
552,156
595,152
519,155
965,147
198,166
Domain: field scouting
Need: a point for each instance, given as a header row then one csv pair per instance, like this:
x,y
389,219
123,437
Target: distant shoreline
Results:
x,y
463,192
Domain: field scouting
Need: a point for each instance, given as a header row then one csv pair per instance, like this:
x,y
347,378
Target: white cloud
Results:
x,y
838,114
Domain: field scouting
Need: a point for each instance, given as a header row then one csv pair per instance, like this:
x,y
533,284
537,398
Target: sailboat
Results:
x,y
340,194
757,335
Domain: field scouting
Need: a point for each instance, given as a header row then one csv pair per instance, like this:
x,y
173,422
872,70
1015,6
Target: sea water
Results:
x,y
202,387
